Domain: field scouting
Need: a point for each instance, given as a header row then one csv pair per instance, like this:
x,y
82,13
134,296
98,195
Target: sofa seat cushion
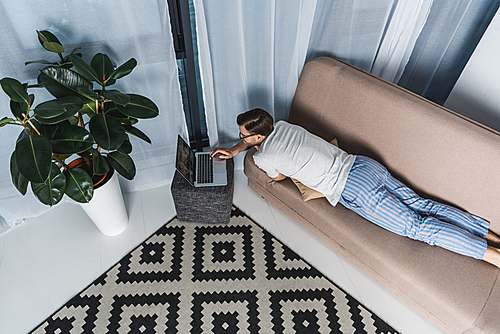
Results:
x,y
448,288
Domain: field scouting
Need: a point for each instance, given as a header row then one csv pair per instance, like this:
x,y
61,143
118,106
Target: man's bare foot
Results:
x,y
492,255
493,239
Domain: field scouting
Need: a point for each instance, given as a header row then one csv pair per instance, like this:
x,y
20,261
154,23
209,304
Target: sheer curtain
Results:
x,y
445,45
120,29
253,52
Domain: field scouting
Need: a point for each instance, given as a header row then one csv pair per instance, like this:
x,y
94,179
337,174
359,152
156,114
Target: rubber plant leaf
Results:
x,y
79,186
70,139
103,67
55,120
15,90
99,163
19,181
49,41
128,121
49,109
116,96
89,109
45,62
46,115
83,68
90,94
34,157
108,131
136,132
124,69
6,120
61,82
52,190
123,164
126,147
139,107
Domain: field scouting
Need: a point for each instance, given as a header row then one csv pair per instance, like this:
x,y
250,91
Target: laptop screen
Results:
x,y
185,162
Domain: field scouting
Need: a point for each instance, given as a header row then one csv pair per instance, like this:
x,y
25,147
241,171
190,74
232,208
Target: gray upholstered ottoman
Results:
x,y
211,205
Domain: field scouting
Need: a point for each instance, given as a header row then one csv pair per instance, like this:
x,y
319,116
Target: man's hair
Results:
x,y
256,121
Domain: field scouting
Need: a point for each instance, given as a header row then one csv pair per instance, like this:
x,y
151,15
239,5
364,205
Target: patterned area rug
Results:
x,y
194,278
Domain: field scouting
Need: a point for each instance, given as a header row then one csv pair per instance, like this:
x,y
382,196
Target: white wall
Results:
x,y
477,92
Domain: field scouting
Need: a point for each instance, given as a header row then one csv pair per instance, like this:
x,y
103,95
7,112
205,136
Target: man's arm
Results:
x,y
227,153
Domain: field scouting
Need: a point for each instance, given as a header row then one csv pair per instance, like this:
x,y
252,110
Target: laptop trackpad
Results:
x,y
219,166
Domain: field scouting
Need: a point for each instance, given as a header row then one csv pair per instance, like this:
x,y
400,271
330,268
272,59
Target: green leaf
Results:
x,y
71,103
17,109
34,157
99,163
128,121
56,111
45,62
15,90
79,186
90,94
49,41
103,67
89,109
139,107
136,132
49,109
23,134
55,120
124,69
6,120
126,147
19,181
116,96
108,132
69,139
52,190
61,82
123,164
83,68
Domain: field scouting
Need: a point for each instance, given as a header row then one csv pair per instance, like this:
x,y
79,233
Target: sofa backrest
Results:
x,y
437,152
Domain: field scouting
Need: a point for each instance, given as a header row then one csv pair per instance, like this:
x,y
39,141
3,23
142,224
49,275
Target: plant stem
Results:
x,y
80,120
56,158
29,122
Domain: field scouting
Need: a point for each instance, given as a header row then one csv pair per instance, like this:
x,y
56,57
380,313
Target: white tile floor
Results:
x,y
47,260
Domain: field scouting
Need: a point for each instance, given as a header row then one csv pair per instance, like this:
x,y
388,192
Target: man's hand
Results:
x,y
223,153
227,153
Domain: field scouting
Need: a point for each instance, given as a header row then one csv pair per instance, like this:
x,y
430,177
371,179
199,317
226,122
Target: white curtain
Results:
x,y
254,51
121,29
445,46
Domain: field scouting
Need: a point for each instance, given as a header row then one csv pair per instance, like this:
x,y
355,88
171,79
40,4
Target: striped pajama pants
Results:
x,y
375,195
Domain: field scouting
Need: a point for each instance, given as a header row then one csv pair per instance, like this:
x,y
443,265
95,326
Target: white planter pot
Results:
x,y
107,209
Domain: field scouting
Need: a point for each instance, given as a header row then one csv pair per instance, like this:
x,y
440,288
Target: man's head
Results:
x,y
255,125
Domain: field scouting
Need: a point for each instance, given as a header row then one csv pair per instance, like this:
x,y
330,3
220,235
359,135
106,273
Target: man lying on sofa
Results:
x,y
361,184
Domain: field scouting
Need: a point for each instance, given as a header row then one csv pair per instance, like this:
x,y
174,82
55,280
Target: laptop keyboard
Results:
x,y
205,172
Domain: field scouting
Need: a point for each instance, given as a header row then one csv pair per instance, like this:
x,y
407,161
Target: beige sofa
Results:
x,y
437,152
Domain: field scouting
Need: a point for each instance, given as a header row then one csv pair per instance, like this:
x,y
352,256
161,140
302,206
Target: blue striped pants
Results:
x,y
375,195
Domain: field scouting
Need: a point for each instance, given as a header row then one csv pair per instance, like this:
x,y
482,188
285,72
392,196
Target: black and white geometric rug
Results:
x,y
194,278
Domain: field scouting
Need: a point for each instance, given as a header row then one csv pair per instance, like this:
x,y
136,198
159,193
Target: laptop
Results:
x,y
199,168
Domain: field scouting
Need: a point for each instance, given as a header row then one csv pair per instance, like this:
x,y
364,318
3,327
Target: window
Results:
x,y
183,23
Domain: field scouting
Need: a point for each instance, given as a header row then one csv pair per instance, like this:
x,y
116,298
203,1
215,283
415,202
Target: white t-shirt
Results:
x,y
294,152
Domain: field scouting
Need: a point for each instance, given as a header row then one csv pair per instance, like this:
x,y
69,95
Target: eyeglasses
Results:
x,y
243,137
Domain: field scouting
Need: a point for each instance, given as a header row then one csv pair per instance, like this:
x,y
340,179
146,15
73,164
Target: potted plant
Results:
x,y
85,119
